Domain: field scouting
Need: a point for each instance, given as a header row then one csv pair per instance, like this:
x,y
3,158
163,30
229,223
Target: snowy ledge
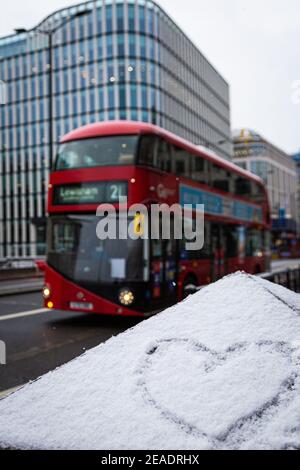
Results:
x,y
220,370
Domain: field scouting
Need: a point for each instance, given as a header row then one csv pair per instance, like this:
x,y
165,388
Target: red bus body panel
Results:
x,y
145,186
64,291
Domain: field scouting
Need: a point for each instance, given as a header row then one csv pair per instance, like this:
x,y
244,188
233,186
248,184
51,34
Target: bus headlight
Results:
x,y
126,297
46,292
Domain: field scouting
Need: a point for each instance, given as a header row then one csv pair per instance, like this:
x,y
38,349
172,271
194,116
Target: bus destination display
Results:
x,y
90,193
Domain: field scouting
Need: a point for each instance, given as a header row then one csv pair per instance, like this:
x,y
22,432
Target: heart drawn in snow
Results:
x,y
213,394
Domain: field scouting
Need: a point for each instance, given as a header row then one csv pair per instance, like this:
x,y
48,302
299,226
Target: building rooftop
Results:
x,y
254,144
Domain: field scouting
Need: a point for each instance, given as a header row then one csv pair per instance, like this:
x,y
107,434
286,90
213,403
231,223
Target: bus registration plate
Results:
x,y
81,306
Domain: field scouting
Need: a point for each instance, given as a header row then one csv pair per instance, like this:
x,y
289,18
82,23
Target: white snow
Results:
x,y
218,371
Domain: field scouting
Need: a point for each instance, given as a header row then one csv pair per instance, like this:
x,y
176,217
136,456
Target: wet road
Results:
x,y
38,341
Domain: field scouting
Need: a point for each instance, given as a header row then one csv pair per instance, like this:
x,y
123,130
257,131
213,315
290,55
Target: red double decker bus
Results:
x,y
108,162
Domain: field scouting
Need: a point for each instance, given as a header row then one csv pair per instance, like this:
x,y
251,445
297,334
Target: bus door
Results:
x,y
218,252
164,271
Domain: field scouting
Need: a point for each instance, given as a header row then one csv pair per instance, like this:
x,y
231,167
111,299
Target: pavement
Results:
x,y
15,286
38,340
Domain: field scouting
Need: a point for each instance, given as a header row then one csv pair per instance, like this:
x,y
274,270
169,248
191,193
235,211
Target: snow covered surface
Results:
x,y
218,371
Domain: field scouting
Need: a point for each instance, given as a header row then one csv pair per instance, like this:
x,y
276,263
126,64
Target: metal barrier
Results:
x,y
12,269
289,278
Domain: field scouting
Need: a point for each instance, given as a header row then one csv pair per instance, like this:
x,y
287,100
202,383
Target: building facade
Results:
x,y
296,159
111,60
254,153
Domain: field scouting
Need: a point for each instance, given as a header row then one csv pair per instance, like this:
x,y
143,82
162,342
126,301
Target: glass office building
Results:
x,y
111,60
278,170
296,159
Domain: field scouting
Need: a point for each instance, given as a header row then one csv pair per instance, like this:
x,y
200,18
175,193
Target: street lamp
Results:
x,y
50,33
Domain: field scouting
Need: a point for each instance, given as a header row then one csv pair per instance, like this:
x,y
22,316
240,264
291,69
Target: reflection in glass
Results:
x,y
101,151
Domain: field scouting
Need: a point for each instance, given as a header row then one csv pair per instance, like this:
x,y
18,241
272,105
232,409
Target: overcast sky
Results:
x,y
255,45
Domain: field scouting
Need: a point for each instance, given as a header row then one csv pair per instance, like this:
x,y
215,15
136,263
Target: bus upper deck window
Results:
x,y
220,178
163,155
243,187
97,151
200,170
147,152
258,193
181,160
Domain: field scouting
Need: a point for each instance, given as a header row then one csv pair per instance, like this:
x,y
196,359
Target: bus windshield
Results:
x,y
97,151
76,252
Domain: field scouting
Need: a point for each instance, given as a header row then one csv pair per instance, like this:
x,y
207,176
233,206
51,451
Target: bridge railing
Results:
x,y
15,268
288,277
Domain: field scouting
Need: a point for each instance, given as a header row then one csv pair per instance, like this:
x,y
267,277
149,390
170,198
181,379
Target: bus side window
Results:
x,y
147,151
254,242
220,178
163,155
232,243
204,253
199,169
157,250
243,187
181,162
258,193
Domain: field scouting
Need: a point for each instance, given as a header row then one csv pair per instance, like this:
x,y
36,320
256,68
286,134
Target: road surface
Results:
x,y
38,341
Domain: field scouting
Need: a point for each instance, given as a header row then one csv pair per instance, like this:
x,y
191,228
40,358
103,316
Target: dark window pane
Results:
x,y
205,252
142,18
100,151
200,170
120,17
147,151
131,22
163,155
220,178
122,97
181,160
254,243
109,19
243,187
232,241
